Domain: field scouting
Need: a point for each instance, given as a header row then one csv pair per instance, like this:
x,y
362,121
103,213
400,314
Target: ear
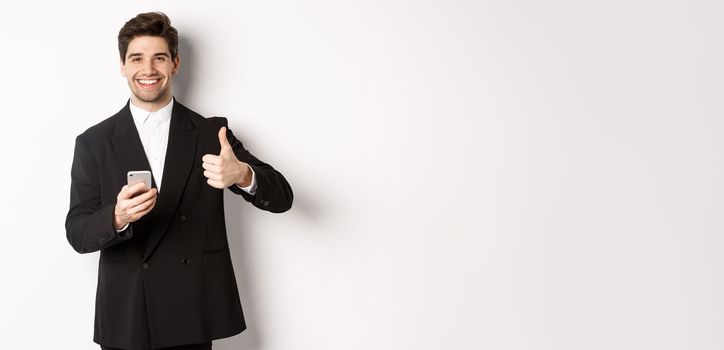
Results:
x,y
123,69
176,64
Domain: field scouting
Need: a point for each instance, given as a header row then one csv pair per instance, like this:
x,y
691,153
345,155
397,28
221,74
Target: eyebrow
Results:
x,y
138,54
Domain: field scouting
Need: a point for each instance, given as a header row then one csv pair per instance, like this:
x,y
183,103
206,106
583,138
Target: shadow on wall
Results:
x,y
236,225
182,81
237,232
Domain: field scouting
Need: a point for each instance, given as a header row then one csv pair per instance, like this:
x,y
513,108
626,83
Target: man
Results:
x,y
165,278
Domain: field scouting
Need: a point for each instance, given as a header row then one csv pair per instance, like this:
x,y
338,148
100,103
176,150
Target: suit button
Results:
x,y
144,266
182,218
186,261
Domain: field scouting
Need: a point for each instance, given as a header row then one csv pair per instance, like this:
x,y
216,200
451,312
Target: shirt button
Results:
x,y
144,266
182,218
186,261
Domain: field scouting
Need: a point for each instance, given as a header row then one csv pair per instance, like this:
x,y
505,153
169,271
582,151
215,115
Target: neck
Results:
x,y
151,106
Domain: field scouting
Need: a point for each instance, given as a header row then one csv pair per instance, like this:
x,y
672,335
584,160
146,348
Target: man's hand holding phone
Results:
x,y
133,202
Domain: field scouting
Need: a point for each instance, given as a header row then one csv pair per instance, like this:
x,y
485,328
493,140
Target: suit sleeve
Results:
x,y
88,225
273,192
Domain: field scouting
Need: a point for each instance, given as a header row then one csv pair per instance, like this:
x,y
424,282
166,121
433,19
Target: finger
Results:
x,y
145,196
148,210
150,201
142,197
123,194
212,176
225,146
122,206
135,189
215,184
142,207
211,167
212,159
137,216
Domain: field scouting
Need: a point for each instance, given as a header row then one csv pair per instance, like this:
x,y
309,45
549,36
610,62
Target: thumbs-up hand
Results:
x,y
224,170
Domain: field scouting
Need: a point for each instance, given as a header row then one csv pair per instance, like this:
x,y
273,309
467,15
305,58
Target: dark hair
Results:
x,y
148,24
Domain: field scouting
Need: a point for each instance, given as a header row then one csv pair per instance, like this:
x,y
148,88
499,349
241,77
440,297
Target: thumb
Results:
x,y
225,146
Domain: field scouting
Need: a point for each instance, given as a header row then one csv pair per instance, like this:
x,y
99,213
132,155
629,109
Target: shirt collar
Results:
x,y
140,115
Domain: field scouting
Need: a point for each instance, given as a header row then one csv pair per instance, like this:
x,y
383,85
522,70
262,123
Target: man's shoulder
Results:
x,y
199,120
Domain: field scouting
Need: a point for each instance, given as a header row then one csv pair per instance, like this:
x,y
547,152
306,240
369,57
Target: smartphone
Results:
x,y
135,177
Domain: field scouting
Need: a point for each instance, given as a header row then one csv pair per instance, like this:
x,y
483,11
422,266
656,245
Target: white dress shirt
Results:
x,y
153,129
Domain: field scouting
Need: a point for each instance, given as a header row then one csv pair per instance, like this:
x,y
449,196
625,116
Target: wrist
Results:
x,y
117,222
244,179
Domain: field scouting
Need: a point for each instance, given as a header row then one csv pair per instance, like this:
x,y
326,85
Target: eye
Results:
x,y
160,58
136,59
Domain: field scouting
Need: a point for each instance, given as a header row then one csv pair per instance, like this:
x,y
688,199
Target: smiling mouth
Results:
x,y
148,83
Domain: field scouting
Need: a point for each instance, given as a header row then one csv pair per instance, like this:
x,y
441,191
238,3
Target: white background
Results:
x,y
501,174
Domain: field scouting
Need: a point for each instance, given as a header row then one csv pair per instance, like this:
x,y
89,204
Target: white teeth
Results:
x,y
146,82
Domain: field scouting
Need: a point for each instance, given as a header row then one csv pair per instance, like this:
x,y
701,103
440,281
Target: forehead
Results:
x,y
149,45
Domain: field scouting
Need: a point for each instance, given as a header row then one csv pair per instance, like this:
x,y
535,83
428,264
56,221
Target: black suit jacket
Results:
x,y
168,279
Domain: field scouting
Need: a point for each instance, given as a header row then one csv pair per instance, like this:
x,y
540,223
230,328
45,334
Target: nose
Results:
x,y
148,68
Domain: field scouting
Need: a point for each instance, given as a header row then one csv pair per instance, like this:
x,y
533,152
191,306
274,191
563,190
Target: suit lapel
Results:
x,y
180,155
127,144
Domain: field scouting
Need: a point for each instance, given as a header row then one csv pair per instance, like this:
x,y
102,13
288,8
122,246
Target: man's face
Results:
x,y
148,69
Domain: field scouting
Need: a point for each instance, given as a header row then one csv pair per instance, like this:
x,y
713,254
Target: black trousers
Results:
x,y
206,346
